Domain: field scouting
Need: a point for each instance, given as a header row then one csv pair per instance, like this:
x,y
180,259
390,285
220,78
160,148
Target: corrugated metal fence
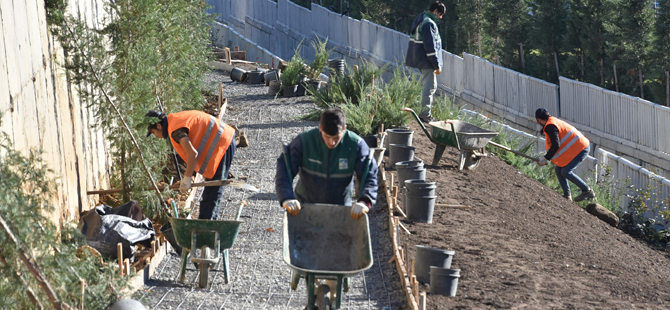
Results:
x,y
278,27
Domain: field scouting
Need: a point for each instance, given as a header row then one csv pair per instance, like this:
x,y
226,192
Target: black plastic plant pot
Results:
x,y
386,141
238,75
428,189
270,76
399,153
370,140
301,89
411,173
444,281
426,257
420,208
290,91
255,77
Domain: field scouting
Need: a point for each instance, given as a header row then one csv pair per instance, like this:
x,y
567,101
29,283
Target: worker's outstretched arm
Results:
x,y
284,182
370,186
191,155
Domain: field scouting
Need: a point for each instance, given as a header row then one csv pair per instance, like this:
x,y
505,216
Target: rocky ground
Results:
x,y
260,277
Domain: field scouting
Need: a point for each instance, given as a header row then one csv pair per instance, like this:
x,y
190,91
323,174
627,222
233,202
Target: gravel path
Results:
x,y
260,278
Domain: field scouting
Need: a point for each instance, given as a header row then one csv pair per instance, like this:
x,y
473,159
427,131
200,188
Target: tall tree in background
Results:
x,y
469,26
507,26
632,44
662,45
548,29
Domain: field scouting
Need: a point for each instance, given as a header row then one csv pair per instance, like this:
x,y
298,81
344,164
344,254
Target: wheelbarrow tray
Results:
x,y
324,239
182,229
470,137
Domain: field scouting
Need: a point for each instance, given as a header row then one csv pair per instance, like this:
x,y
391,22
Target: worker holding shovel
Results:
x,y
566,148
326,158
206,144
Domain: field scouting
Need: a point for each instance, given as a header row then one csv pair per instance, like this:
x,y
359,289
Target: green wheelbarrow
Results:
x,y
324,242
208,235
469,139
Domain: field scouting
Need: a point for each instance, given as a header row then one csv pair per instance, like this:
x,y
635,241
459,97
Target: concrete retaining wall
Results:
x,y
40,107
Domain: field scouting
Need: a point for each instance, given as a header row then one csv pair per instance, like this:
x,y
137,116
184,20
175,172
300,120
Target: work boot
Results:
x,y
588,194
426,118
568,197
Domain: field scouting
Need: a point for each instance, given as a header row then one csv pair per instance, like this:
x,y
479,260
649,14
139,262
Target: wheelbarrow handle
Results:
x,y
513,151
418,120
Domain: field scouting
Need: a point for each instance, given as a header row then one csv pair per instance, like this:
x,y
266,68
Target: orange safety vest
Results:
x,y
570,142
216,135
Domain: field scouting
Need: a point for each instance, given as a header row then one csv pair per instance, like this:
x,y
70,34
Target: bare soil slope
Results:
x,y
521,245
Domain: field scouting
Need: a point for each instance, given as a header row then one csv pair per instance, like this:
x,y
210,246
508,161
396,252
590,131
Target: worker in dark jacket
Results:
x,y
566,148
327,158
425,53
206,144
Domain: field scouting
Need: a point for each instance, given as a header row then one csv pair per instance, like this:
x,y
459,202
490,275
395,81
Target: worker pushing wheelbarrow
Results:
x,y
326,234
323,242
469,139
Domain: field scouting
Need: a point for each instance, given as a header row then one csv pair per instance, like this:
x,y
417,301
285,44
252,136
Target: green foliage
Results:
x,y
642,201
294,70
444,108
26,189
361,117
56,13
148,48
403,90
608,190
321,55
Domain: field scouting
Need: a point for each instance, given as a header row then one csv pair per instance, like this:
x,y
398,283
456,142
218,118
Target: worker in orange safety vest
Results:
x,y
206,144
566,148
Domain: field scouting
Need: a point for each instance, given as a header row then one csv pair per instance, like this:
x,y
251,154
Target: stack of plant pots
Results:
x,y
398,135
335,67
433,266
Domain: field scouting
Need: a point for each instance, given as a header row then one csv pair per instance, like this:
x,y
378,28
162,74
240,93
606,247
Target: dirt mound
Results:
x,y
523,245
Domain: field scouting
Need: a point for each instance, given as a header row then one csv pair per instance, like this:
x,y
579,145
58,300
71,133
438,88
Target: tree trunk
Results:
x,y
641,83
616,79
479,41
667,88
581,55
602,74
522,59
558,72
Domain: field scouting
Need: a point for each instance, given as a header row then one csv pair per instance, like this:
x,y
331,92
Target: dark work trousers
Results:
x,y
211,195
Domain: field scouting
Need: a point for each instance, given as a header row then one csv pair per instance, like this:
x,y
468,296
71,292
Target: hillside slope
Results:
x,y
521,245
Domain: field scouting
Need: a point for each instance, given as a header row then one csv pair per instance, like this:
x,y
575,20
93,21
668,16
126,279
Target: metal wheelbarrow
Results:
x,y
324,242
207,235
469,139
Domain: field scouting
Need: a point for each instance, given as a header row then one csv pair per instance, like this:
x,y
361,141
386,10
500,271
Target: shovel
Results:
x,y
228,182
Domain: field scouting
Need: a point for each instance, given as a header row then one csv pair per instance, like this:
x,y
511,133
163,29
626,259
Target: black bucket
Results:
x,y
410,173
400,153
387,139
444,281
426,257
166,230
420,208
419,188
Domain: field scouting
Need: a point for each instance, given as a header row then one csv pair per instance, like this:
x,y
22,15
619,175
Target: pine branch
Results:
x,y
31,294
123,121
34,270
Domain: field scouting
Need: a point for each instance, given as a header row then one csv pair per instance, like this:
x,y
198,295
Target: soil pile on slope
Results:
x,y
523,245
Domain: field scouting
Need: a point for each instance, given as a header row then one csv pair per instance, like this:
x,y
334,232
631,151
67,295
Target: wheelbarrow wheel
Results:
x,y
204,267
471,160
322,297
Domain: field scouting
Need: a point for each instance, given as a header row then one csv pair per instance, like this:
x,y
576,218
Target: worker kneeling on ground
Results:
x,y
566,148
206,144
326,158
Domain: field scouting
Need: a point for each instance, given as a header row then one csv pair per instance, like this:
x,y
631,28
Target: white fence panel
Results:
x,y
404,46
468,71
541,95
513,90
335,29
567,99
354,33
629,110
646,123
319,18
611,112
523,94
484,78
594,107
283,12
663,128
368,33
500,85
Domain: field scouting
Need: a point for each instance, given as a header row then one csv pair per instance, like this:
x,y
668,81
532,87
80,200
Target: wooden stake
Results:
x,y
411,270
126,266
423,300
404,228
415,288
228,60
394,192
153,248
402,252
462,207
397,208
237,48
220,94
119,256
83,291
355,68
